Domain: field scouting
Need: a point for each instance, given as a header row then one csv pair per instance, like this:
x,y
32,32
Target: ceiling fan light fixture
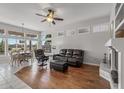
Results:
x,y
49,19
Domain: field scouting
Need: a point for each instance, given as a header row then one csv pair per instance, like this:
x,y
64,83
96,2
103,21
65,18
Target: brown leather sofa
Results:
x,y
71,56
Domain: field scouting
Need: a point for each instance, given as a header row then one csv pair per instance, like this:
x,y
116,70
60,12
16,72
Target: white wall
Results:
x,y
82,23
92,43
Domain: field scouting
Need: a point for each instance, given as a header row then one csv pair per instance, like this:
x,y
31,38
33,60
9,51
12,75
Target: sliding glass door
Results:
x,y
34,44
31,44
11,44
12,41
20,44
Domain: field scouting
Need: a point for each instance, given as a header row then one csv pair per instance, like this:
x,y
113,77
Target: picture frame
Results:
x,y
60,33
82,30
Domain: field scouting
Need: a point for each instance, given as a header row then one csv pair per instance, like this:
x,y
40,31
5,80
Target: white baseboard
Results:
x,y
91,64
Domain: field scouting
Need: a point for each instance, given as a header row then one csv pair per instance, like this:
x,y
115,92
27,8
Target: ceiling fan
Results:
x,y
50,17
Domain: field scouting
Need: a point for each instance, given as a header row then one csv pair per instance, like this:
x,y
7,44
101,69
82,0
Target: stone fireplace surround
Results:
x,y
116,49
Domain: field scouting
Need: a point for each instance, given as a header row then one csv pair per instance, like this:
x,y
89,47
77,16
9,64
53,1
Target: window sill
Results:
x,y
4,56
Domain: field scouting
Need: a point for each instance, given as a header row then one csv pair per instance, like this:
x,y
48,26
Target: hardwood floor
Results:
x,y
86,77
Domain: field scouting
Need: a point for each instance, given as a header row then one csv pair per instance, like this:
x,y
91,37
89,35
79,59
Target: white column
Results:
x,y
39,41
6,43
121,70
25,42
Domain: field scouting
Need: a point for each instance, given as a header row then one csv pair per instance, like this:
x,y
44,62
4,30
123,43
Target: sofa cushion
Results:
x,y
63,51
69,53
61,58
75,62
77,52
71,59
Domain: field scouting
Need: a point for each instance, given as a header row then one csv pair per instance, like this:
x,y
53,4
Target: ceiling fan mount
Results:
x,y
50,17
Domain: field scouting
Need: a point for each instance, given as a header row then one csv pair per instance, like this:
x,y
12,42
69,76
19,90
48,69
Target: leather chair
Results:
x,y
71,56
40,56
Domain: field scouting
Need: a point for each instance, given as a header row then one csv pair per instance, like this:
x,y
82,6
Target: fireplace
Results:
x,y
113,58
116,60
113,62
116,47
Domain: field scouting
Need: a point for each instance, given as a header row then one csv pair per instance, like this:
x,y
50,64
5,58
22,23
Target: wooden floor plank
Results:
x,y
86,77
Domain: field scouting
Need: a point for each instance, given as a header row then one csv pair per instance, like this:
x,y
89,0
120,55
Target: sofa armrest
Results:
x,y
55,55
78,57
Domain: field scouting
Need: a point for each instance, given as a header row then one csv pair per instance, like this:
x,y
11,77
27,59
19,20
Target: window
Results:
x,y
1,31
47,46
28,44
2,46
34,44
31,44
101,27
18,34
11,44
20,44
83,30
48,36
15,44
16,41
31,36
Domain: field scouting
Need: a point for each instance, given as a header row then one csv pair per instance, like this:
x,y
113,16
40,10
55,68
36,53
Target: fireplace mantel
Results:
x,y
117,44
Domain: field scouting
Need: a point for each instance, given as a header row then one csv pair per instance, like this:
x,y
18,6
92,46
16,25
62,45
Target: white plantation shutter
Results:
x,y
101,27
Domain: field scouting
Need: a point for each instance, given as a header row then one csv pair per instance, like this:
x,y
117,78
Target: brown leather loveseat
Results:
x,y
71,56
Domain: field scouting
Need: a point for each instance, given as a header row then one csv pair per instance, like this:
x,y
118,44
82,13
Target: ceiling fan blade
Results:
x,y
43,20
53,22
40,15
60,19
